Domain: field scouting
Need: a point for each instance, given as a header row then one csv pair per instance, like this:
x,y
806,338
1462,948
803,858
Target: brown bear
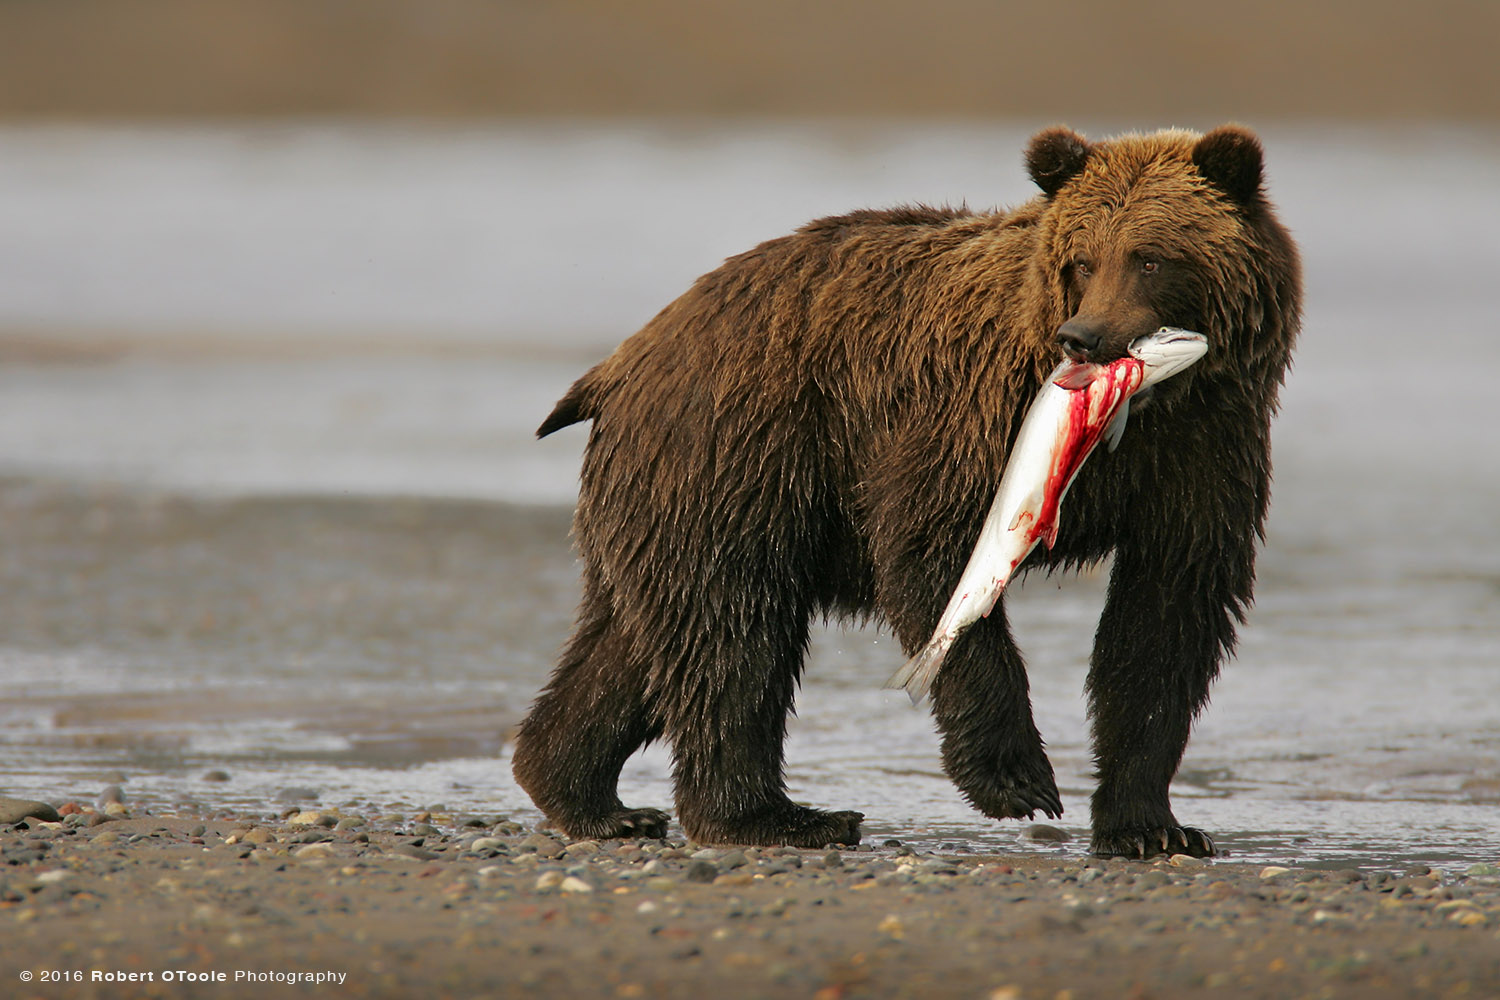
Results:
x,y
818,427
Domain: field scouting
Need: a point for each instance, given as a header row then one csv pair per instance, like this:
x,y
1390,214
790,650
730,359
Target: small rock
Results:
x,y
110,794
1043,833
16,810
349,823
426,830
1155,880
582,849
833,859
1271,871
312,852
259,835
707,854
107,837
549,880
296,793
573,883
543,845
732,860
1186,861
216,775
413,851
1482,870
306,818
486,844
116,810
701,871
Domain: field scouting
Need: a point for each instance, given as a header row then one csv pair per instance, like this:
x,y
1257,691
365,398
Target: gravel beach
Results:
x,y
358,901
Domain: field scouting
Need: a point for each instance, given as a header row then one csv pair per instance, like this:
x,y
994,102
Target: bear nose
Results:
x,y
1079,338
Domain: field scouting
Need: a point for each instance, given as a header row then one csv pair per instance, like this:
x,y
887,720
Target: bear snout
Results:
x,y
1080,338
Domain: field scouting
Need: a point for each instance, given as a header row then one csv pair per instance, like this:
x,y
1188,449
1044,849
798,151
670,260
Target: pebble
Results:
x,y
1272,871
732,860
16,810
311,852
543,846
1186,861
582,849
573,883
1043,833
701,871
216,775
486,844
413,851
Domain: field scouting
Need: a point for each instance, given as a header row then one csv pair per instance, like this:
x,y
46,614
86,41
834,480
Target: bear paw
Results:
x,y
1148,843
1018,798
625,824
797,826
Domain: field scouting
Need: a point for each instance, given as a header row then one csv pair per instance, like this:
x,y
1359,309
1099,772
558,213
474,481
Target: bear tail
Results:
x,y
575,407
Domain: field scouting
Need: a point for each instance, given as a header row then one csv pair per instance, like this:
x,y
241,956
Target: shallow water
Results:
x,y
262,547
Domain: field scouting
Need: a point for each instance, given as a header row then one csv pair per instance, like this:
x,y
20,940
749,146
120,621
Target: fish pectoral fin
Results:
x,y
1116,429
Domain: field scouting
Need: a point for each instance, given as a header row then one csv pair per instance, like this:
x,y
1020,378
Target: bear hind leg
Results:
x,y
728,730
592,716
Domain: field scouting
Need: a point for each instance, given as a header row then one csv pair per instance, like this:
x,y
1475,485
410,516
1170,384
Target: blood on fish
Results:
x,y
1090,411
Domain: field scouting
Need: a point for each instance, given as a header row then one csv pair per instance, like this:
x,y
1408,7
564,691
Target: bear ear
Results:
x,y
1055,157
1230,159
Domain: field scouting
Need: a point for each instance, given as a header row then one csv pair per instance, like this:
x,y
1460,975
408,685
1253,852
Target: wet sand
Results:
x,y
440,905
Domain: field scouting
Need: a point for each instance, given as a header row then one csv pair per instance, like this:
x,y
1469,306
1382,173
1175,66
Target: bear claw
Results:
x,y
1140,844
627,824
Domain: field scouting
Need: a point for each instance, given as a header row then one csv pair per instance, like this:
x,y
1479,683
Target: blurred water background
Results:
x,y
270,504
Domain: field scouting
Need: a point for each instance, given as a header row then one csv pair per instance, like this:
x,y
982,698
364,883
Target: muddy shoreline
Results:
x,y
439,904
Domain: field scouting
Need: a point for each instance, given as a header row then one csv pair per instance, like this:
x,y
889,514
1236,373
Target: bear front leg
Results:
x,y
1166,625
991,748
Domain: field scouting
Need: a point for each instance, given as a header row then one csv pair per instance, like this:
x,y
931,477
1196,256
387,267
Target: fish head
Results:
x,y
1167,351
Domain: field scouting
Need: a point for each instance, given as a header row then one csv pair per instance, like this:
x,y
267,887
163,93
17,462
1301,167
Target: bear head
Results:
x,y
1168,229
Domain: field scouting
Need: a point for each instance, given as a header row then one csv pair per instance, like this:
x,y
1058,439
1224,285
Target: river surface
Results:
x,y
270,503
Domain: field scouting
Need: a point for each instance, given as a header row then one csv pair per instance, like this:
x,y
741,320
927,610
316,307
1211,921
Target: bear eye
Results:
x,y
1082,268
1150,267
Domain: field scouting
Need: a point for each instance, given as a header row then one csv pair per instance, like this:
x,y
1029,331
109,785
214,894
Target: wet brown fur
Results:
x,y
818,427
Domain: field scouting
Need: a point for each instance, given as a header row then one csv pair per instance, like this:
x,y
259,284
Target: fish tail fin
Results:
x,y
919,672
